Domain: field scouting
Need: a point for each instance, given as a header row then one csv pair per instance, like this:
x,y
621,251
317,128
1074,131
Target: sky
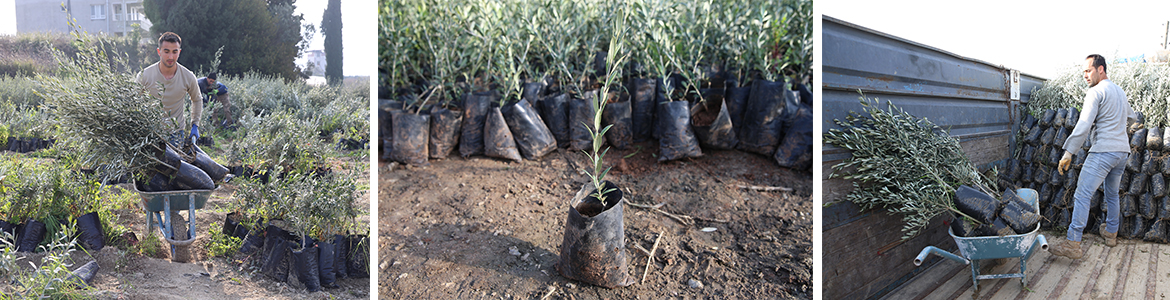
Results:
x,y
359,30
8,17
1041,38
359,26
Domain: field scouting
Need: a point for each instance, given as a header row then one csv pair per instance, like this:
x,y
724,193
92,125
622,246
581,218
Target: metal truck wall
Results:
x,y
864,254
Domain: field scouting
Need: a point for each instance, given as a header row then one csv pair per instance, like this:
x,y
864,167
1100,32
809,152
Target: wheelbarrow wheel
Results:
x,y
182,254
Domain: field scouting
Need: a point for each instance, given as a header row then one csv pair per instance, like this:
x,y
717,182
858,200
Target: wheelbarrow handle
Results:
x,y
932,249
1041,244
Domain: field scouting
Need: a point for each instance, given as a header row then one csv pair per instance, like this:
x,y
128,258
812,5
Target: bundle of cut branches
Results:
x,y
106,113
905,164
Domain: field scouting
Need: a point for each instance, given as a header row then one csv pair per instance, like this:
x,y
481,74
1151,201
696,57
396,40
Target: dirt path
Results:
x,y
483,228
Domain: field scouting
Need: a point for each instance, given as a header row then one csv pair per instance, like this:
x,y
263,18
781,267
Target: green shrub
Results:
x,y
221,245
31,51
19,67
279,140
50,278
19,91
28,121
43,191
342,115
260,95
112,201
313,205
3,136
148,246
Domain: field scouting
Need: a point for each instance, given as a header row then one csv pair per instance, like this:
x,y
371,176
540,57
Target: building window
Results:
x,y
118,13
97,12
134,14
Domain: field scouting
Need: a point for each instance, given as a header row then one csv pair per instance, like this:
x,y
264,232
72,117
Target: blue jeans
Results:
x,y
1104,167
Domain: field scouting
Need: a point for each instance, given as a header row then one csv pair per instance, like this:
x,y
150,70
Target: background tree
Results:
x,y
256,35
331,28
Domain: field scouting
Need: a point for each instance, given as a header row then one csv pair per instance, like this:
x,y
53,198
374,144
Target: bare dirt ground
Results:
x,y
481,228
125,275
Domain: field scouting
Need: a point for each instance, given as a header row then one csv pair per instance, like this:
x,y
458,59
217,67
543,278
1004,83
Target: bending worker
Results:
x,y
213,90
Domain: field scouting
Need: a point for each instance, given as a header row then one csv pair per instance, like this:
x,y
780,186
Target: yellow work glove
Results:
x,y
1065,162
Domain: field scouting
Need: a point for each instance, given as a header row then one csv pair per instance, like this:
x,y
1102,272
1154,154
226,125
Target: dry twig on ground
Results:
x,y
764,188
650,257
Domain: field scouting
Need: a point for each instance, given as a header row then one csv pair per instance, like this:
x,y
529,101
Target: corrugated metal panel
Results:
x,y
967,96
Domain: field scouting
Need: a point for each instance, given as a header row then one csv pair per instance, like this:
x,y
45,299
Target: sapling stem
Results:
x,y
434,89
614,61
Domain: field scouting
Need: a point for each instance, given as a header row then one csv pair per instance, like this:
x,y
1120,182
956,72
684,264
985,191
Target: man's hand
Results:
x,y
1065,162
194,133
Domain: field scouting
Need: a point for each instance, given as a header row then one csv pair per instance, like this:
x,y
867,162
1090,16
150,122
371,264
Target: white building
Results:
x,y
317,58
113,17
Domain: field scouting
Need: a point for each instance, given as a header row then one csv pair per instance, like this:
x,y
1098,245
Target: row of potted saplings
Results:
x,y
762,117
193,170
315,263
1144,206
28,235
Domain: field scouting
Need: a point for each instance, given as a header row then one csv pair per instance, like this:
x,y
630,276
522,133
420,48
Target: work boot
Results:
x,y
1110,237
1066,248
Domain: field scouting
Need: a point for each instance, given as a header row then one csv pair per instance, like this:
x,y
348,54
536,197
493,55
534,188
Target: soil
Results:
x,y
482,228
127,275
707,112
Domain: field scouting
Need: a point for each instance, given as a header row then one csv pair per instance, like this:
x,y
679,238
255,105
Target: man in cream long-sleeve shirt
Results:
x,y
177,81
1105,112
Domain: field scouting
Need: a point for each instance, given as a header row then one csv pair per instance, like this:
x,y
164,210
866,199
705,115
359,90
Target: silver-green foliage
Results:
x,y
903,163
105,112
1066,90
333,108
27,121
431,42
39,190
278,140
19,91
314,205
258,94
1147,87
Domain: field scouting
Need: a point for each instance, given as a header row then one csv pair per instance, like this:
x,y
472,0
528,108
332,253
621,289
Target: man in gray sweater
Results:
x,y
1107,109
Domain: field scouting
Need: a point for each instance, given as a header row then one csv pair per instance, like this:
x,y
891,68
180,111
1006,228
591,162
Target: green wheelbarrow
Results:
x,y
159,207
973,249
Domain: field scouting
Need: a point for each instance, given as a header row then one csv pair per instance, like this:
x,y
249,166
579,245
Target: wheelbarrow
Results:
x,y
974,249
158,207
